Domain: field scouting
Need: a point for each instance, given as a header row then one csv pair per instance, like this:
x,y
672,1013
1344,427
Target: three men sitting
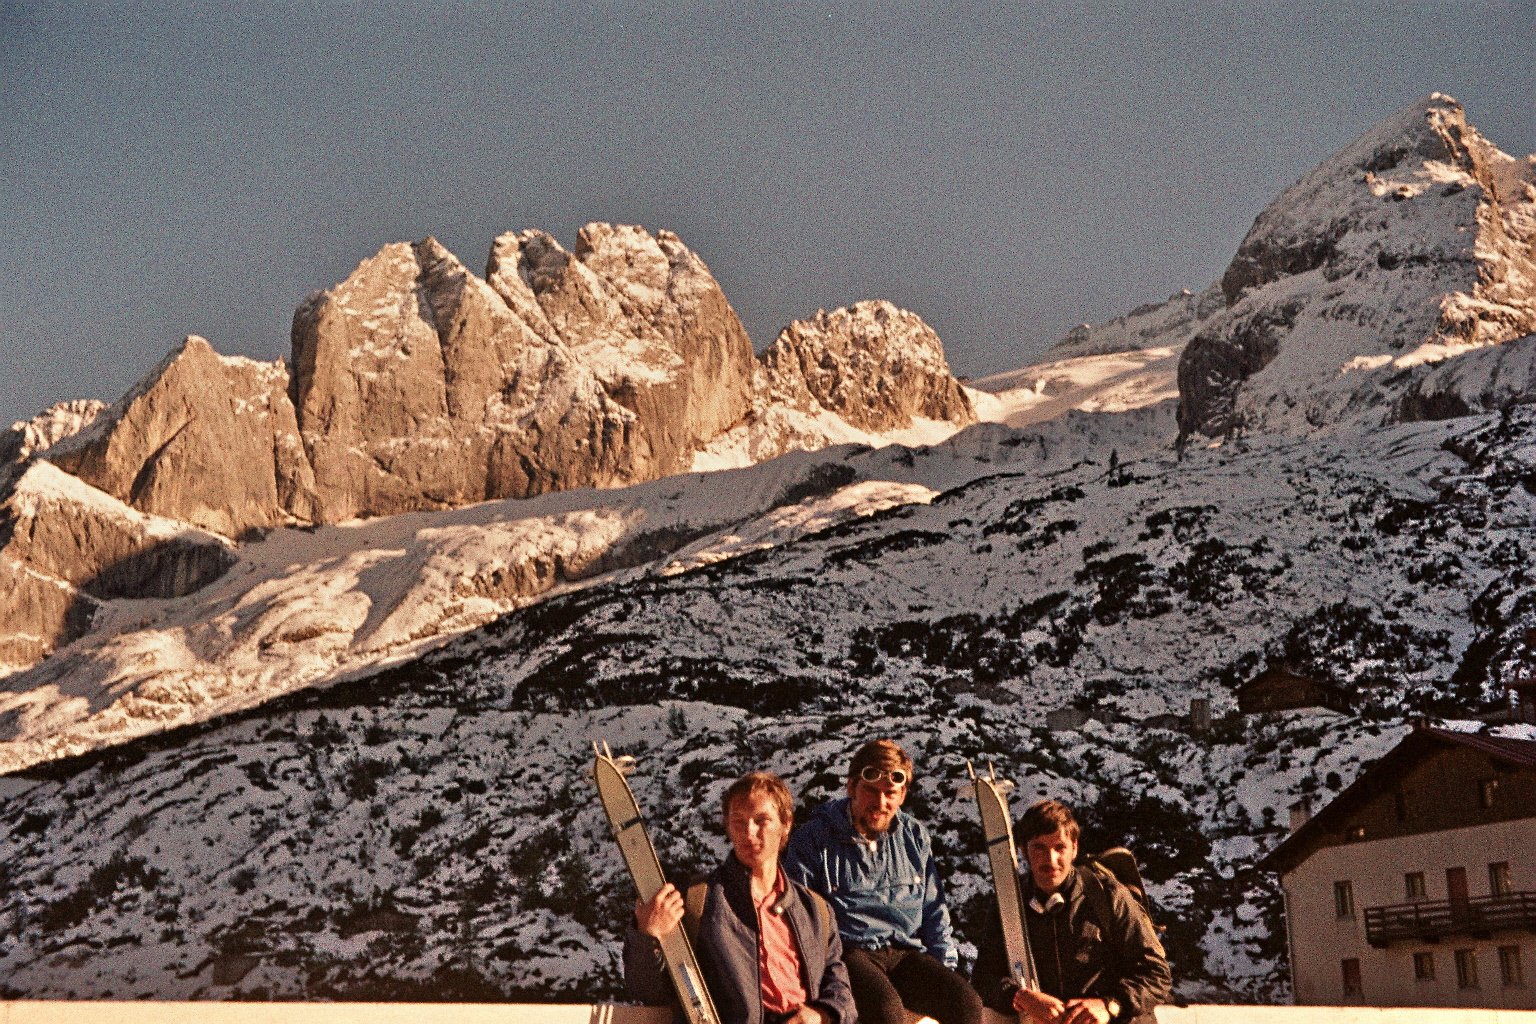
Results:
x,y
845,918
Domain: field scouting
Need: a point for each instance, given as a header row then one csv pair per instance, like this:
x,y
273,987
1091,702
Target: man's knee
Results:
x,y
927,986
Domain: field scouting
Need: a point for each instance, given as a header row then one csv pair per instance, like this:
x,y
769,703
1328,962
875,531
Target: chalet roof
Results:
x,y
1382,775
1285,673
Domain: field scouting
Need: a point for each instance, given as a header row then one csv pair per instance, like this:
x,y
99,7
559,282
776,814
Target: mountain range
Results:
x,y
305,657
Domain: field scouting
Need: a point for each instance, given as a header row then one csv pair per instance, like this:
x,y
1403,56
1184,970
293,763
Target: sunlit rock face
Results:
x,y
646,318
207,439
1409,247
870,373
874,365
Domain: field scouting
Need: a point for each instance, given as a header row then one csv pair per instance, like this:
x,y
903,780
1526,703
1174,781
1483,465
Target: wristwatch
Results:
x,y
1113,1006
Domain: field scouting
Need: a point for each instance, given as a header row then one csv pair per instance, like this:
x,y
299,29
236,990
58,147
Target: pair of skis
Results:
x,y
997,825
623,813
640,857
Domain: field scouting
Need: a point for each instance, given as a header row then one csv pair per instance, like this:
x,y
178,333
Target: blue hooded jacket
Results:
x,y
885,895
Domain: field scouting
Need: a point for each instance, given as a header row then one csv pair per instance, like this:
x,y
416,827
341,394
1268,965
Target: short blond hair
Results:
x,y
760,784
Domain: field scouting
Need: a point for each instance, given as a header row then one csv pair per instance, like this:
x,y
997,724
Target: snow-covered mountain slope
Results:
x,y
429,828
1412,245
301,607
1128,363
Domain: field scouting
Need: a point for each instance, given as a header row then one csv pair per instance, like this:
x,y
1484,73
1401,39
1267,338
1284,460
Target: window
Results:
x,y
1466,968
1487,790
1343,899
1350,969
1423,967
1510,971
1499,882
1413,885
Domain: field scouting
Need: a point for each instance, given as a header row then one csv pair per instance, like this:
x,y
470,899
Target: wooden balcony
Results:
x,y
1428,920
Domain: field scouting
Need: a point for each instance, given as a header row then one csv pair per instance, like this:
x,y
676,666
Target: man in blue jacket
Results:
x,y
874,863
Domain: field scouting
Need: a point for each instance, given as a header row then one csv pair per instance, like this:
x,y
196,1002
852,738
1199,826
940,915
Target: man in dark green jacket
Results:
x,y
1097,955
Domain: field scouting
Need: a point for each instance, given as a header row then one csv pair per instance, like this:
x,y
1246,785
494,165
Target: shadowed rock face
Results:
x,y
64,547
1412,244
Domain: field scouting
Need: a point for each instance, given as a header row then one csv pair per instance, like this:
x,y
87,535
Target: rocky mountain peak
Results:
x,y
416,385
205,439
1409,246
829,361
870,373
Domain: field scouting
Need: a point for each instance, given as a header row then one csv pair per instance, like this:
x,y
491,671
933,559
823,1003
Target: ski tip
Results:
x,y
970,769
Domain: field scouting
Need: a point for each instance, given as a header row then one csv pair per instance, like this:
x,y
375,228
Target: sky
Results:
x,y
1007,171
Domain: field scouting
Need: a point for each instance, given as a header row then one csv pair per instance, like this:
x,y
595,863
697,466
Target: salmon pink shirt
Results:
x,y
778,962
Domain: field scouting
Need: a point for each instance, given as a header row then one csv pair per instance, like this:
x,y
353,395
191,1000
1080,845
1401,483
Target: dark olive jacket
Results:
x,y
1078,955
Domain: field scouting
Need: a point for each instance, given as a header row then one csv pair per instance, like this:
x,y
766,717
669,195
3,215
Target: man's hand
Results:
x,y
658,917
1039,1006
807,1015
1086,1011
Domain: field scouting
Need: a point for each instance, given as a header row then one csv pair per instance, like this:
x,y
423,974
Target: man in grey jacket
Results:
x,y
769,948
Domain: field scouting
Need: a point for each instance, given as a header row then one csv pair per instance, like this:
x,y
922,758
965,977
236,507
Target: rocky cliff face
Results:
x,y
646,317
873,365
867,373
206,439
1414,245
416,385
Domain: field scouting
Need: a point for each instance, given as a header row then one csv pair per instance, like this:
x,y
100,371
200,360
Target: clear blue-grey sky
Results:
x,y
1005,170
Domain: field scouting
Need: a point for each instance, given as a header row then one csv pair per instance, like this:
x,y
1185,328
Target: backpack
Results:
x,y
1117,864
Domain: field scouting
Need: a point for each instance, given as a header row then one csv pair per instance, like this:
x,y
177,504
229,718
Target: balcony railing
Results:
x,y
1428,920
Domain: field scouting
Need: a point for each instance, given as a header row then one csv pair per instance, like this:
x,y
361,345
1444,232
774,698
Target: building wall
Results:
x,y
1320,940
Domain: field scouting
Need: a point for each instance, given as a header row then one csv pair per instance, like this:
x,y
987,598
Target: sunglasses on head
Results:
x,y
873,775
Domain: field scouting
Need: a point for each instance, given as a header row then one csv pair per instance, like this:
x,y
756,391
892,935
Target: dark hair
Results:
x,y
1046,817
764,783
881,754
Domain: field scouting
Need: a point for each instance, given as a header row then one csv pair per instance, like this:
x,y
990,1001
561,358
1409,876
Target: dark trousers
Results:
x,y
887,982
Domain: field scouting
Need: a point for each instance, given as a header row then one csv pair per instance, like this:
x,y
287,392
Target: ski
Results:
x,y
997,825
623,813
